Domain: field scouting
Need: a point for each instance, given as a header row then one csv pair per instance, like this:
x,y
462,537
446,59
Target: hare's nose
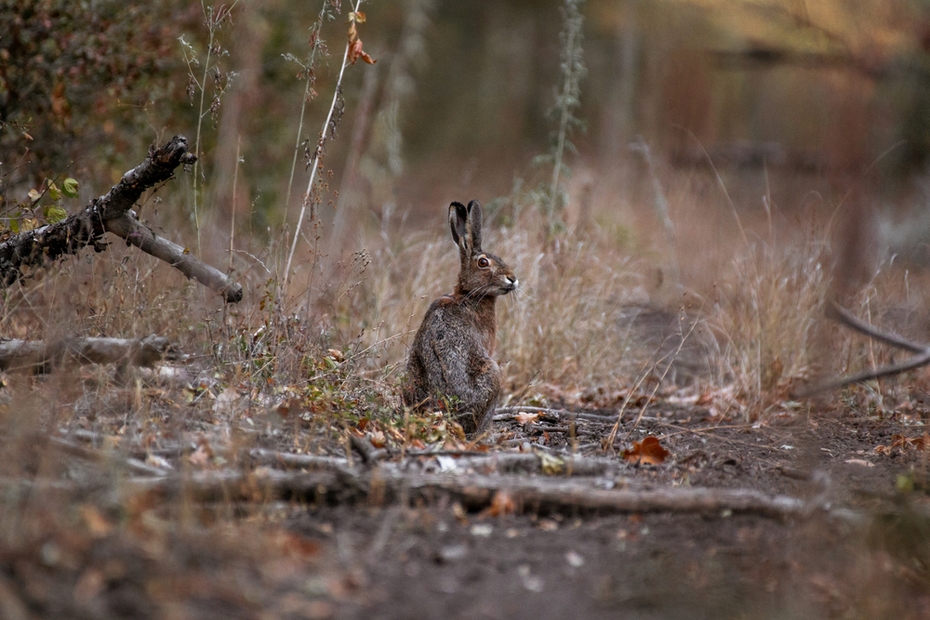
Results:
x,y
512,282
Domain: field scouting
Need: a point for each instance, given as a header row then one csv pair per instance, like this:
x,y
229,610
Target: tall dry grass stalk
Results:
x,y
310,199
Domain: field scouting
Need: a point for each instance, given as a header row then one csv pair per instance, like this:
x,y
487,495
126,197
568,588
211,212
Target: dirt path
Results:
x,y
184,521
435,561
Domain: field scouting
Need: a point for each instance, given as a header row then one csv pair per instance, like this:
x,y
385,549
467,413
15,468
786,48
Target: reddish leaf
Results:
x,y
502,504
648,451
356,52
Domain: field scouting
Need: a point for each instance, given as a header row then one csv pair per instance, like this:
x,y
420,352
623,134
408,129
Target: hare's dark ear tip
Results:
x,y
473,204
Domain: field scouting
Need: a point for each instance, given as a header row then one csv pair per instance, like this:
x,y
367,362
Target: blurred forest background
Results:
x,y
820,92
702,108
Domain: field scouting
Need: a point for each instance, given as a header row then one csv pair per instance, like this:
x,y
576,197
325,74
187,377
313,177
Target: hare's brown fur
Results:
x,y
452,358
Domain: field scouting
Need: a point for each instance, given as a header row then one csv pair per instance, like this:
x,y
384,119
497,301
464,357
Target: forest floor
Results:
x,y
201,507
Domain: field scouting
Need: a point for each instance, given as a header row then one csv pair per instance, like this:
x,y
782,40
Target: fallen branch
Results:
x,y
179,257
841,315
32,355
562,415
96,456
289,459
507,462
477,492
112,213
552,465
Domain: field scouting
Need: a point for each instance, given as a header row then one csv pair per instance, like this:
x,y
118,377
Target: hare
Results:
x,y
452,357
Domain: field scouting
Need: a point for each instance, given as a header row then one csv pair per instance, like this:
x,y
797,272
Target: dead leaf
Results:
x,y
202,455
550,465
377,439
98,525
903,444
648,451
526,418
502,504
295,545
356,52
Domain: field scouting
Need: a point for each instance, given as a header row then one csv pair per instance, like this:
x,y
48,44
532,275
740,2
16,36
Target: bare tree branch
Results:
x,y
844,316
141,236
112,212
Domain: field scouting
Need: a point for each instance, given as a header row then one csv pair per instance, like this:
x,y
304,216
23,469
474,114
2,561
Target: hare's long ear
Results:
x,y
473,226
458,222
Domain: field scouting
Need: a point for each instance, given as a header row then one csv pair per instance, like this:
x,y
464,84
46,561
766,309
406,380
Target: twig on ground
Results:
x,y
366,450
309,461
563,415
97,456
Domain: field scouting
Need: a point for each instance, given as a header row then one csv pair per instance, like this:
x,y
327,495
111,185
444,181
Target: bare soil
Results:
x,y
432,561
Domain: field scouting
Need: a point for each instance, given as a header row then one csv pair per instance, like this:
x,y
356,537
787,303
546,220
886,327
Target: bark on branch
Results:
x,y
112,213
20,355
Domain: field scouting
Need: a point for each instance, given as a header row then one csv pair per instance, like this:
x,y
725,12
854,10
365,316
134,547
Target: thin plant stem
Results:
x,y
566,101
212,24
303,109
314,164
200,113
563,130
232,218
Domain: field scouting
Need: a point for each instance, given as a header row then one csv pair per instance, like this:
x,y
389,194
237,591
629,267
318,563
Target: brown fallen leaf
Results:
x,y
502,504
202,456
526,418
377,439
903,444
98,524
646,452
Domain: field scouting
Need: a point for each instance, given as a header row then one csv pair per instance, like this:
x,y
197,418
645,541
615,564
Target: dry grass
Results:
x,y
300,373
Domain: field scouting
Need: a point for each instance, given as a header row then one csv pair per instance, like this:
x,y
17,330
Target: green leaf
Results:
x,y
54,214
53,192
70,187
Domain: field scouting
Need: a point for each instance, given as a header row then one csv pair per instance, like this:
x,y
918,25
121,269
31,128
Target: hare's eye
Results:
x,y
483,262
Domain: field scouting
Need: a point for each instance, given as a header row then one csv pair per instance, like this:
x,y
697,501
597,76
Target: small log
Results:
x,y
38,355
